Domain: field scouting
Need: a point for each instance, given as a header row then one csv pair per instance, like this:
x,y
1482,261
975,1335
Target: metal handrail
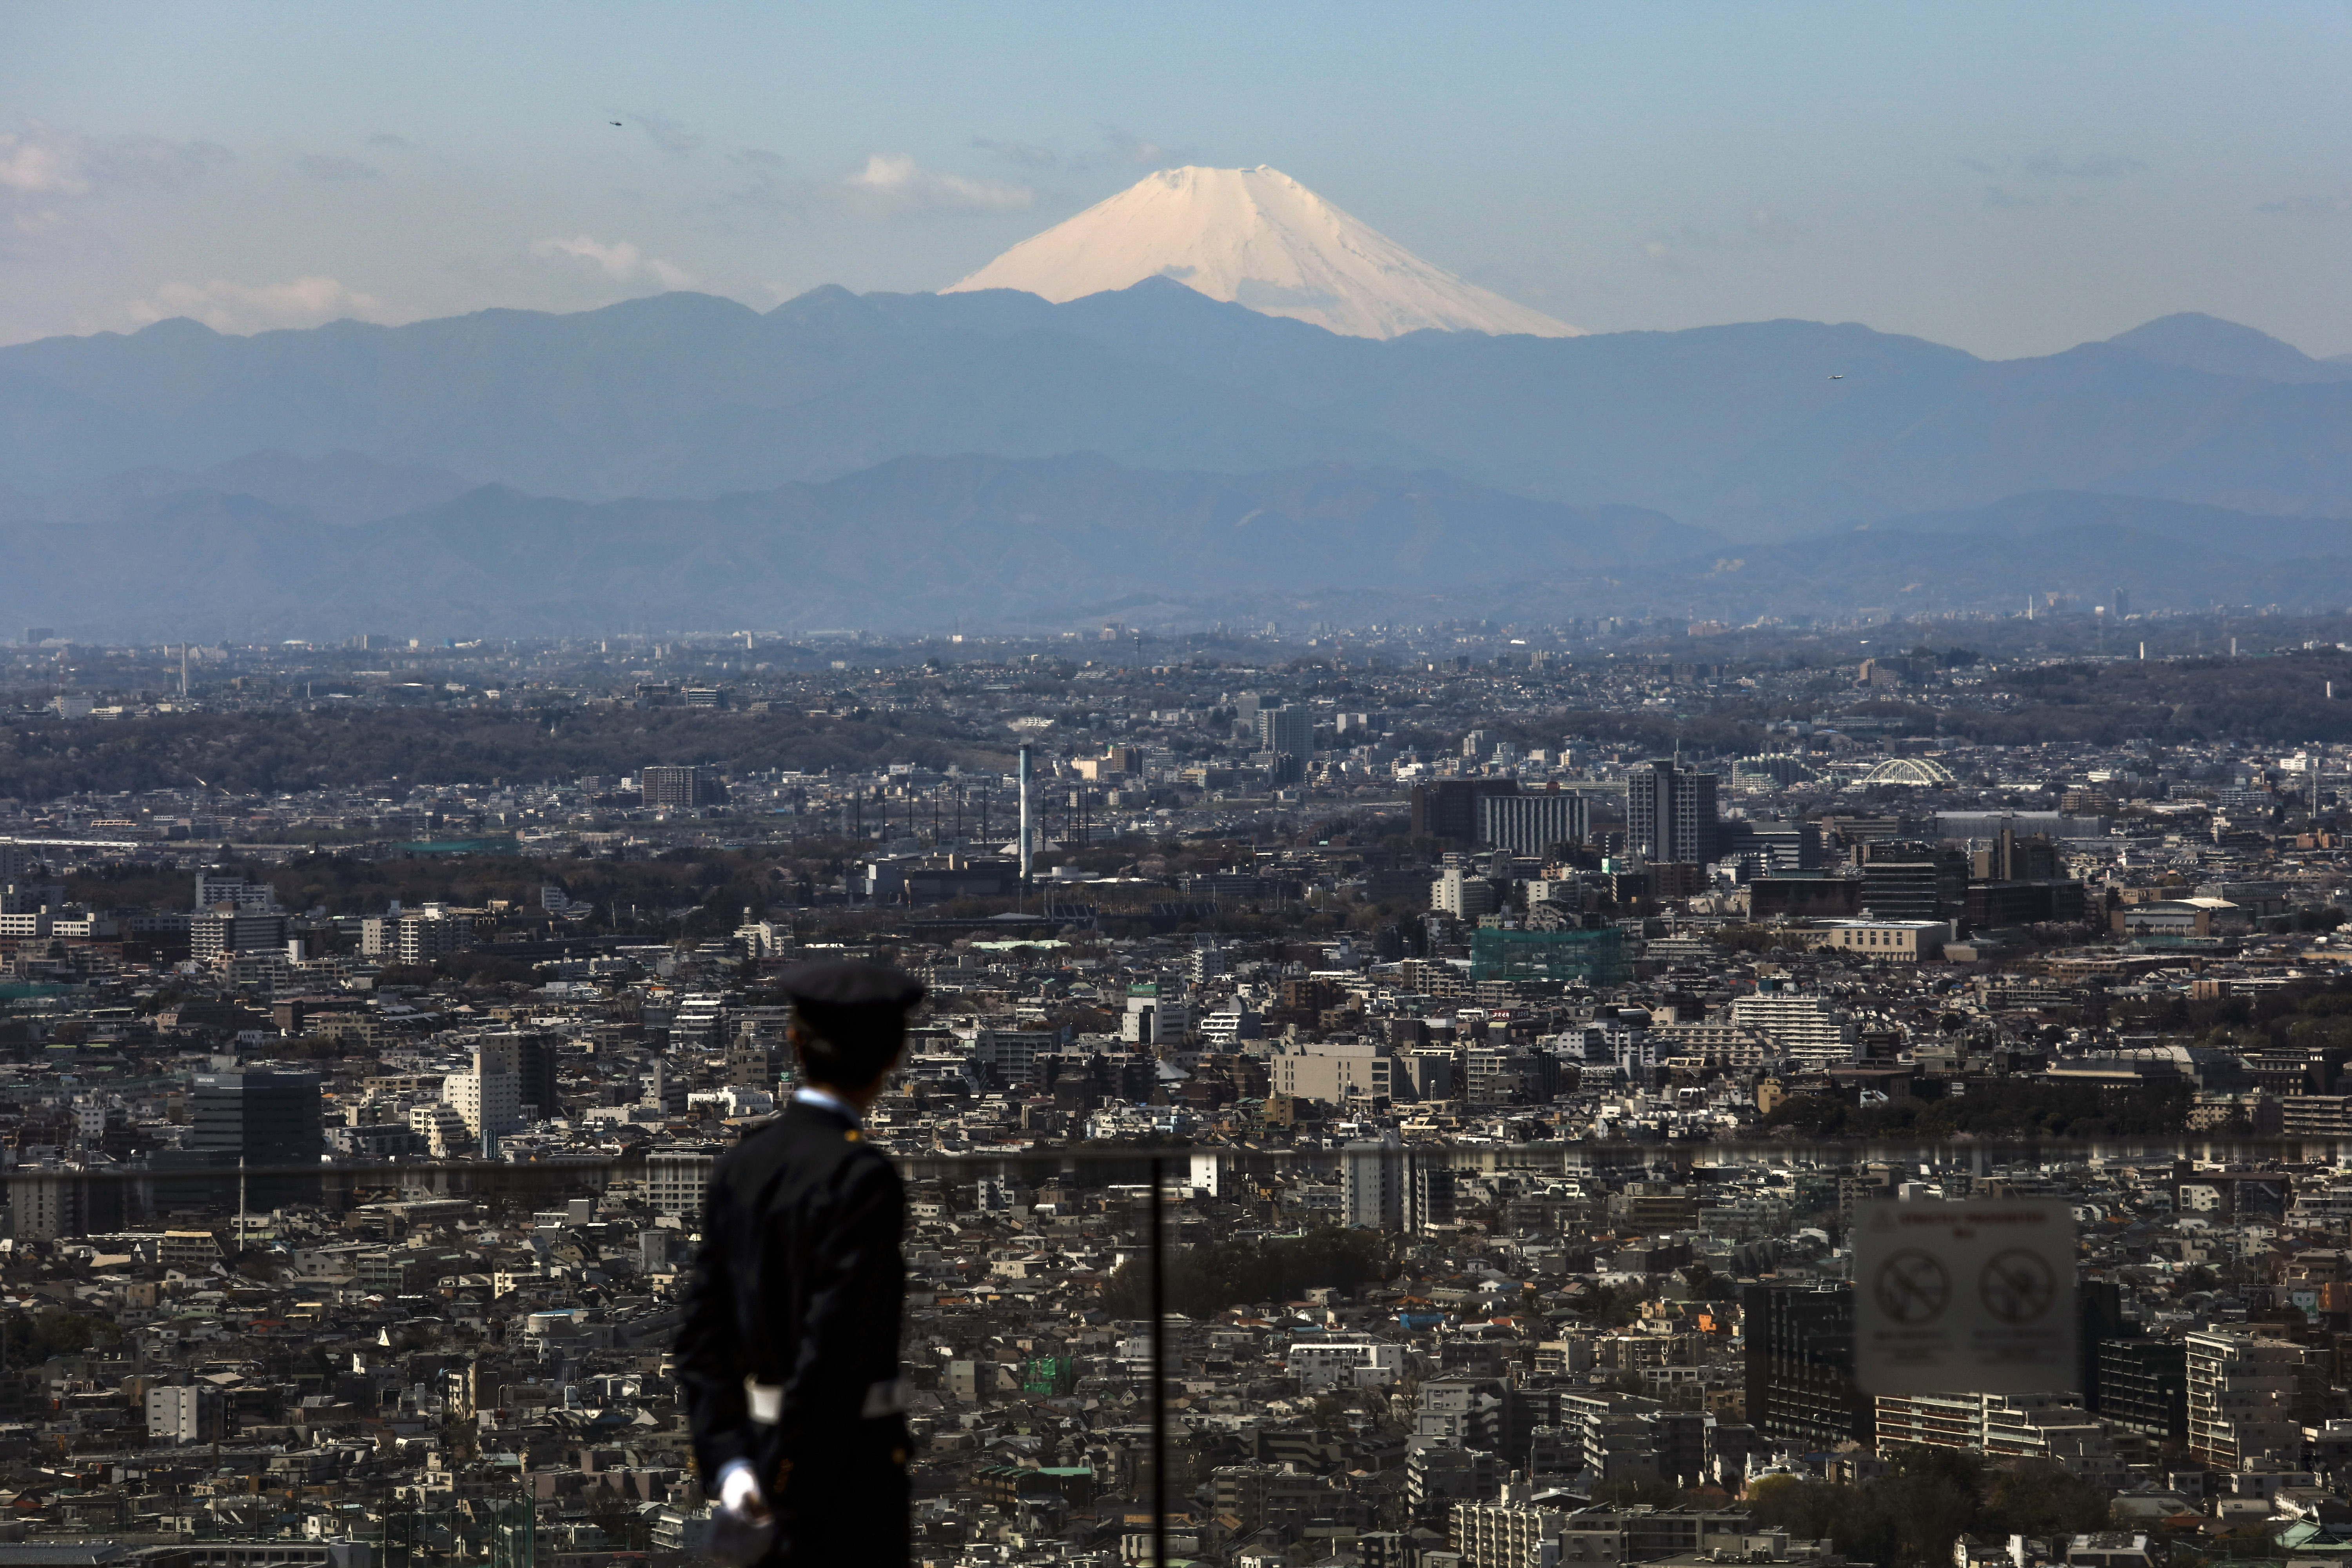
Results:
x,y
2208,1147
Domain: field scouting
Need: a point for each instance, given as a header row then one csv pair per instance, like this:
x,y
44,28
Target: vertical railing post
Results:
x,y
1159,1374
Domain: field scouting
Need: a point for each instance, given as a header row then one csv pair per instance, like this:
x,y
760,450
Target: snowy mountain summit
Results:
x,y
1259,238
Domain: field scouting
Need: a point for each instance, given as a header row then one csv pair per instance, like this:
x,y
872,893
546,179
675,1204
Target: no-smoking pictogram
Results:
x,y
2018,1285
1977,1295
1912,1287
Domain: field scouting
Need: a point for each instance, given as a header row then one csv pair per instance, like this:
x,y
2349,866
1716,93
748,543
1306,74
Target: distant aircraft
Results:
x,y
1839,376
615,122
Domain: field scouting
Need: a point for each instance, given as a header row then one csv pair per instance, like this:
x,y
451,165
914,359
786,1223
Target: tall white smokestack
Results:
x,y
1025,815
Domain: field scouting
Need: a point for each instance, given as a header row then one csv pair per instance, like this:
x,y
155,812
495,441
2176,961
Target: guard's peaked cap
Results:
x,y
840,998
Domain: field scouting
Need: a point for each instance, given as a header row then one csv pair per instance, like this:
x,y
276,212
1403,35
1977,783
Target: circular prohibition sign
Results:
x,y
2018,1285
1912,1287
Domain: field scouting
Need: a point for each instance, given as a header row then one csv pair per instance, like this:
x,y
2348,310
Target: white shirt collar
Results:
x,y
825,1100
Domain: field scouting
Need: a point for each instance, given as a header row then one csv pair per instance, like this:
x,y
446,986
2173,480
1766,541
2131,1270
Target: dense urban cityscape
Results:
x,y
1228,786
1508,1022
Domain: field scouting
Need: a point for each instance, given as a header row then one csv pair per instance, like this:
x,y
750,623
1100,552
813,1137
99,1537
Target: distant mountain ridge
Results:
x,y
1759,431
343,489
2194,340
1050,545
911,542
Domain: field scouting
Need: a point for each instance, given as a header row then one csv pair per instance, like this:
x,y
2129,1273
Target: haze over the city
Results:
x,y
2007,179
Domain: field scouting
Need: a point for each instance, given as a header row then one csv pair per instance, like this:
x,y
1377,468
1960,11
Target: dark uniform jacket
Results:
x,y
799,1285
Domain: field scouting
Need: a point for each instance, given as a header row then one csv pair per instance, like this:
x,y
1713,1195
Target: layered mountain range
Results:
x,y
900,459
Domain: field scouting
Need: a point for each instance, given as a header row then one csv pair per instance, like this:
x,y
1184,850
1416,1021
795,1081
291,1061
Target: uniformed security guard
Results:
x,y
789,1351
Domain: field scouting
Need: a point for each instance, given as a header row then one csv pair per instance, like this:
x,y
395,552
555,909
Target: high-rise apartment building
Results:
x,y
489,1098
1245,711
1531,824
2050,1427
2143,1386
427,938
2007,858
417,937
177,1415
1463,894
535,1086
1812,1029
1429,1193
1779,846
1373,1185
1670,813
2248,1395
1801,1366
2129,1378
1288,729
1012,1055
754,1059
1448,808
1152,1019
262,1117
246,930
1902,880
677,1180
46,1202
667,787
213,888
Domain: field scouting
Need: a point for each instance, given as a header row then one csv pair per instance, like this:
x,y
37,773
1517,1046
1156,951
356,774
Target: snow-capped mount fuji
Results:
x,y
1259,238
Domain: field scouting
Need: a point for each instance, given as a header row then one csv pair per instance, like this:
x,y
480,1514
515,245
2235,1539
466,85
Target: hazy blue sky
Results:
x,y
2010,178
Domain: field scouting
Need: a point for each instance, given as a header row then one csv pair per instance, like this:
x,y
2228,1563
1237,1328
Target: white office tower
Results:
x,y
1207,1177
1372,1185
489,1099
183,1414
1463,894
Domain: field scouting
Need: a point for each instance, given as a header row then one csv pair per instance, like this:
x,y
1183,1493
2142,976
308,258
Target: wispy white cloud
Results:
x,y
892,181
39,160
38,166
621,261
50,175
240,308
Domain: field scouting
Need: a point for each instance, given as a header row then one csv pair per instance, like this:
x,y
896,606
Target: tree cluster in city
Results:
x,y
1911,1516
1206,1280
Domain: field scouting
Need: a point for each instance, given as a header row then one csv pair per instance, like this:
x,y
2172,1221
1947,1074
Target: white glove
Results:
x,y
738,1491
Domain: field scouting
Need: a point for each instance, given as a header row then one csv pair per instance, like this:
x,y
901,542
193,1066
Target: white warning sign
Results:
x,y
1974,1296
